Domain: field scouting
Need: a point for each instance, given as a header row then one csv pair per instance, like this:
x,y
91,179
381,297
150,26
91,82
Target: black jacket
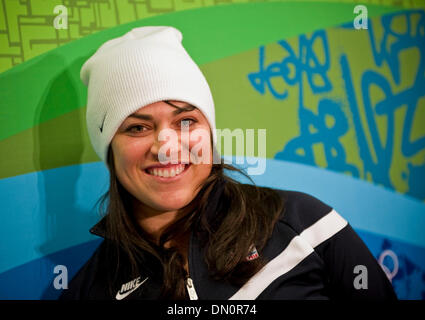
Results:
x,y
313,254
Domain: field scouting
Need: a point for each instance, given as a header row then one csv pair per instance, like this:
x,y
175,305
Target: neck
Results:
x,y
152,221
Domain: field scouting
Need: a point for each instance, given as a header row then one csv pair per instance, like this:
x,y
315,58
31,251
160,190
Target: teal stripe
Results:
x,y
51,210
47,211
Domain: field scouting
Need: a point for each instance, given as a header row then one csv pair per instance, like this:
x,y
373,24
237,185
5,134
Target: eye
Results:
x,y
136,129
186,122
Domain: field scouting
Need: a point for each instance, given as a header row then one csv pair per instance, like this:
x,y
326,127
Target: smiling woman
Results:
x,y
175,226
156,185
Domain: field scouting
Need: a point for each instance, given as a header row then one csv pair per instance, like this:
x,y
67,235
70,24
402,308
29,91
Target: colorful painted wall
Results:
x,y
344,110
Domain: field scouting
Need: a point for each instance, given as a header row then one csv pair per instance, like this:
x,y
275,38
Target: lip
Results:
x,y
164,165
169,179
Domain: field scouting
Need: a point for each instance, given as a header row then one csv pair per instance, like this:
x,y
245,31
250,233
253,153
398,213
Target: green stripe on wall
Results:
x,y
26,26
48,86
62,141
220,31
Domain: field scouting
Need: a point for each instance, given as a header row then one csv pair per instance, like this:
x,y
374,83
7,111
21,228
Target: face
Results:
x,y
137,148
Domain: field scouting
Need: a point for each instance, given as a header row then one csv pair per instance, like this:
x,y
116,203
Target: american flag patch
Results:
x,y
253,254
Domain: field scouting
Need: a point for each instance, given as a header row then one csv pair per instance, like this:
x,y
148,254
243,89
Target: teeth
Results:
x,y
167,172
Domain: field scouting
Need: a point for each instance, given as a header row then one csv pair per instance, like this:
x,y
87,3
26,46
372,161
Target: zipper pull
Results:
x,y
191,289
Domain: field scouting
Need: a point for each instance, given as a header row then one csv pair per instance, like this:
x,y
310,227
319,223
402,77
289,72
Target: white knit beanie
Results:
x,y
146,65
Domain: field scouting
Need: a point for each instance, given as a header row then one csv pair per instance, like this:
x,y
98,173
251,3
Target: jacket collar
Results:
x,y
99,229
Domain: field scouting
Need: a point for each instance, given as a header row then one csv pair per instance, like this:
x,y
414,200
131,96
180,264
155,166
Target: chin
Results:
x,y
175,205
172,202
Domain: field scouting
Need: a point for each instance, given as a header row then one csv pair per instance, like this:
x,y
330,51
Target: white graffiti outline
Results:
x,y
394,258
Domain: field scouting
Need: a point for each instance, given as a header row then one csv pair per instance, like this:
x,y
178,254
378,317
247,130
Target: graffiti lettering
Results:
x,y
375,134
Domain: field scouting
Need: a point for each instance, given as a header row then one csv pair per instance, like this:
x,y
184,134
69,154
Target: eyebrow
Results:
x,y
188,107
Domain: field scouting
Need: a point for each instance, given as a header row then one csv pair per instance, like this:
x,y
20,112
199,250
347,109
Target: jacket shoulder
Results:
x,y
301,210
81,283
337,245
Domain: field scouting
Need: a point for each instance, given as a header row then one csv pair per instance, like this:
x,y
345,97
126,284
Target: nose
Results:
x,y
165,145
156,145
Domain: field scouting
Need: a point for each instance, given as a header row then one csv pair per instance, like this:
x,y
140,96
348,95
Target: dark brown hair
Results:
x,y
247,217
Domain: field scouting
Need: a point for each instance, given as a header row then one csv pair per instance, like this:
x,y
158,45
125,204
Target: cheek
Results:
x,y
128,152
202,170
200,146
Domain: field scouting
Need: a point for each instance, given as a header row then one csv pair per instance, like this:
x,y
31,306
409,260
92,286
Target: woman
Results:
x,y
175,226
